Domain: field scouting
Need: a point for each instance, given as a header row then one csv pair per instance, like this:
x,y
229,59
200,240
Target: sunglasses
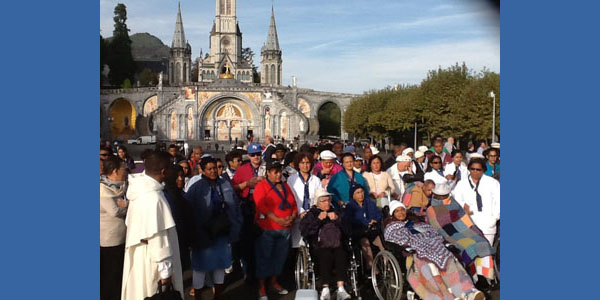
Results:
x,y
253,155
103,154
220,167
476,169
436,162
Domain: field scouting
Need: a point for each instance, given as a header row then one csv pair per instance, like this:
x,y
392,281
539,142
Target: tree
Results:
x,y
148,78
120,59
449,102
103,57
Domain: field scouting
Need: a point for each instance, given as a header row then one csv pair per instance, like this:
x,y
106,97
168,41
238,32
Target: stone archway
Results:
x,y
227,118
329,115
122,118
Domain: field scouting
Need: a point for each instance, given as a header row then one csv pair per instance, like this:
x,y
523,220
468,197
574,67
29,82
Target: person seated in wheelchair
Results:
x,y
458,228
432,271
323,229
365,219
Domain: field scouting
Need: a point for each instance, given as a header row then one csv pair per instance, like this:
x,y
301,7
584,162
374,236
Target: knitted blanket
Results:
x,y
451,221
427,242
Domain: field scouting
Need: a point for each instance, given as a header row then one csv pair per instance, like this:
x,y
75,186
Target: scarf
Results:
x,y
439,171
458,173
306,202
478,196
216,199
284,203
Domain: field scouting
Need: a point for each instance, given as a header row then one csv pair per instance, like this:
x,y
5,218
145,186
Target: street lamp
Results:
x,y
493,96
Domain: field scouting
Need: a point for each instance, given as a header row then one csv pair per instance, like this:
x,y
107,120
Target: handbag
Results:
x,y
219,223
168,294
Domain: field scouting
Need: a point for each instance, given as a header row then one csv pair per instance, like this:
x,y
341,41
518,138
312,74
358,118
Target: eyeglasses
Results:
x,y
492,155
220,167
476,169
436,162
253,155
103,154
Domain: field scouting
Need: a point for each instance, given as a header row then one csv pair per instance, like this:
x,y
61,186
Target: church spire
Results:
x,y
179,37
272,40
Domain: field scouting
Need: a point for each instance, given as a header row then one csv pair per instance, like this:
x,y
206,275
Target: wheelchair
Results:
x,y
389,273
305,272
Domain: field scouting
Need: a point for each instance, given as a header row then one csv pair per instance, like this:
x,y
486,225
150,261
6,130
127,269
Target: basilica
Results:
x,y
226,103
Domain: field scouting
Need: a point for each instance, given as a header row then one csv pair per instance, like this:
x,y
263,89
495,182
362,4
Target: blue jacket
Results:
x,y
360,216
199,197
490,169
340,187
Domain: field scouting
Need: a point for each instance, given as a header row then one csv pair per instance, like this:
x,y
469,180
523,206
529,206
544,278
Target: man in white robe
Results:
x,y
151,246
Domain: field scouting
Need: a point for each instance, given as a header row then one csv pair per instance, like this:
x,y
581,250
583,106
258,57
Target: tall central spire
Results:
x,y
272,40
179,36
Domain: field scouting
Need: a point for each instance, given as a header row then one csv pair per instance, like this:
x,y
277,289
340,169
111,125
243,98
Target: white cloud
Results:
x,y
376,68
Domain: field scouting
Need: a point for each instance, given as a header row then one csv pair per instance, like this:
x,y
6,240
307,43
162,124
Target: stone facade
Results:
x,y
218,108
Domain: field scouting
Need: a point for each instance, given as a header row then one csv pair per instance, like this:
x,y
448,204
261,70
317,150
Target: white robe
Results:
x,y
149,218
489,189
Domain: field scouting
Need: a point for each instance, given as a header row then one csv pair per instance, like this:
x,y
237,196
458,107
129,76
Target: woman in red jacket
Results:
x,y
276,210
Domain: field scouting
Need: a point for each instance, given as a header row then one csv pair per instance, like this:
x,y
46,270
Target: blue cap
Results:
x,y
254,148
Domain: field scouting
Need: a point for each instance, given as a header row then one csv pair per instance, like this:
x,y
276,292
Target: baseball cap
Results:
x,y
254,148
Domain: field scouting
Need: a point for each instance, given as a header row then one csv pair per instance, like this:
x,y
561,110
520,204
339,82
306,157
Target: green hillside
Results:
x,y
145,46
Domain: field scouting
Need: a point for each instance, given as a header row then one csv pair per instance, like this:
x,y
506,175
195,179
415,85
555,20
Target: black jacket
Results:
x,y
310,225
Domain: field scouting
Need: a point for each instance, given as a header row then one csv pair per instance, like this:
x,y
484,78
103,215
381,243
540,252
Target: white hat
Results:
x,y
408,150
423,149
419,154
321,192
476,155
395,204
403,158
496,145
442,189
326,154
374,150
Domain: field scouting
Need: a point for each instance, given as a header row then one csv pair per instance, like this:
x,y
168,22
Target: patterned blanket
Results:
x,y
451,221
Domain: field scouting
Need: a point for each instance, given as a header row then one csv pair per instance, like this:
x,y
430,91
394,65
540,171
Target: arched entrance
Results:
x,y
330,120
122,116
227,119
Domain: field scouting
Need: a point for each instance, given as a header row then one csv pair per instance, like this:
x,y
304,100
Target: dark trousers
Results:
x,y
331,258
111,272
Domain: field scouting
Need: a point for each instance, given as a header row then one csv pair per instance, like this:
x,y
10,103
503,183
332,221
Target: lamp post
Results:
x,y
491,94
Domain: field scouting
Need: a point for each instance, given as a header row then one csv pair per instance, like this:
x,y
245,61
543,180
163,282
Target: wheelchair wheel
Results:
x,y
386,276
353,275
302,271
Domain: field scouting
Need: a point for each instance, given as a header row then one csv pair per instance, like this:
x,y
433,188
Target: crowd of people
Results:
x,y
253,209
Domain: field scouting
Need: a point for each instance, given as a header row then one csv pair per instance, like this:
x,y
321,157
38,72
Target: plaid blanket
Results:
x,y
451,221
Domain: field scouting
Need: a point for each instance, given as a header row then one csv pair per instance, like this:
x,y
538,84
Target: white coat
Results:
x,y
149,218
297,187
397,178
489,189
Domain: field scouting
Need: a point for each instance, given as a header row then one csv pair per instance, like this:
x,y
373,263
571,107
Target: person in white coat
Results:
x,y
397,171
302,182
151,245
435,171
479,195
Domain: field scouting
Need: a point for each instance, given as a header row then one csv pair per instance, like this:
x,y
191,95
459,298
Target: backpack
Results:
x,y
329,236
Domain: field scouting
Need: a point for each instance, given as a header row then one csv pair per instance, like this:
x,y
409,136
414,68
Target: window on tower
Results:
x,y
222,7
228,7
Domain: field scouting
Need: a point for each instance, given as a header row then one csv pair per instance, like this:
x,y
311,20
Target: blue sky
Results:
x,y
346,46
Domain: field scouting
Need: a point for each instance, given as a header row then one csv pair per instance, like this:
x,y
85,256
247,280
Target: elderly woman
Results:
x,y
276,211
327,167
435,171
113,208
433,272
456,225
365,219
379,182
323,229
216,224
344,181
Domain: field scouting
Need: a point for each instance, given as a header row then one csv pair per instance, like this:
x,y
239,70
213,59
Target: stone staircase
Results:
x,y
291,107
166,104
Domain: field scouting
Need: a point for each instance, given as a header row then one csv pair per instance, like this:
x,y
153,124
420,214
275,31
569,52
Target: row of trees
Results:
x,y
449,102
